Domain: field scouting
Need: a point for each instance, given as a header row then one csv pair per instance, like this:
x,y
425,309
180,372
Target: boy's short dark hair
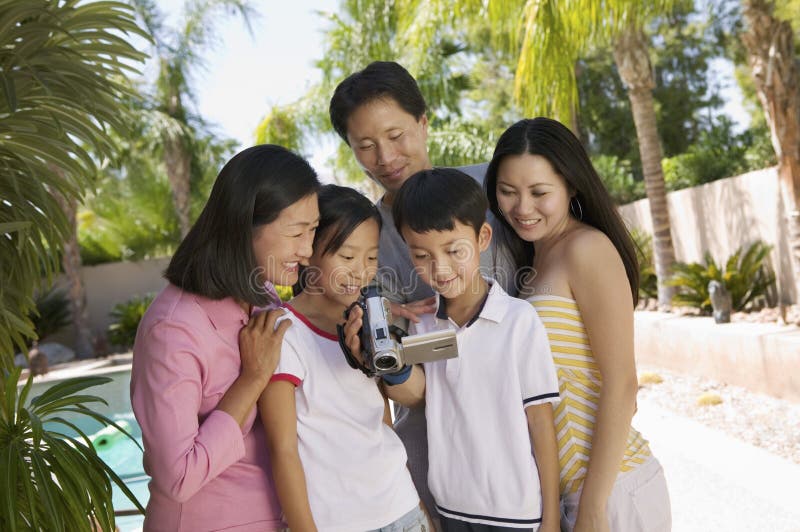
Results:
x,y
433,200
381,79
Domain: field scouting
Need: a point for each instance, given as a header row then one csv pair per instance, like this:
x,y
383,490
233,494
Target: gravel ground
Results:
x,y
764,421
789,315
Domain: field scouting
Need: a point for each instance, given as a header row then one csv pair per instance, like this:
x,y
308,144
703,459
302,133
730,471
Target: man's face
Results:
x,y
388,143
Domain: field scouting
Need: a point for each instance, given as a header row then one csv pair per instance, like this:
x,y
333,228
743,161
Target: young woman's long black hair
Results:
x,y
555,142
216,258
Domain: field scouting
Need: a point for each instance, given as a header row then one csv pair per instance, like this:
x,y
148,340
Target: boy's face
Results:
x,y
449,261
389,143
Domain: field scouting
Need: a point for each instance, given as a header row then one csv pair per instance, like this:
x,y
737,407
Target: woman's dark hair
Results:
x,y
555,142
216,258
433,200
341,210
380,79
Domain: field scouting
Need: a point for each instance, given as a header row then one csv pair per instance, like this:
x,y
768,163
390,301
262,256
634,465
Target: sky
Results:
x,y
245,75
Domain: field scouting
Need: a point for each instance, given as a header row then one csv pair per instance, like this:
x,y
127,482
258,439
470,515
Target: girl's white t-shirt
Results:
x,y
354,464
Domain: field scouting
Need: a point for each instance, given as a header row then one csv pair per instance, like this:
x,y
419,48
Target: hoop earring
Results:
x,y
575,201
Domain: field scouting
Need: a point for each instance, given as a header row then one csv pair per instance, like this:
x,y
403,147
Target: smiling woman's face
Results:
x,y
534,199
283,244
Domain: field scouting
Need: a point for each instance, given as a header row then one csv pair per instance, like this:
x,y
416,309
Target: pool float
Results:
x,y
108,436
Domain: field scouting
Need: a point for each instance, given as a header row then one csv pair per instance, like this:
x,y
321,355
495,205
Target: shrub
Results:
x,y
746,275
648,282
52,313
618,179
127,315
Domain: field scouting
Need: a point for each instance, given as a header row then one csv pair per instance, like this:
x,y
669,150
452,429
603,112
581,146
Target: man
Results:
x,y
380,113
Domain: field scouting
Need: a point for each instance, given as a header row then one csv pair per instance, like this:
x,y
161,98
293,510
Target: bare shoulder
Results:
x,y
588,247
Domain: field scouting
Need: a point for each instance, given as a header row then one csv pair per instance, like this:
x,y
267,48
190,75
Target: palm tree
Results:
x,y
775,71
177,53
546,38
64,64
369,30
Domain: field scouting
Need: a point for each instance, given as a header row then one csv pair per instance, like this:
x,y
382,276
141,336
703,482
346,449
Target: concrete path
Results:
x,y
718,483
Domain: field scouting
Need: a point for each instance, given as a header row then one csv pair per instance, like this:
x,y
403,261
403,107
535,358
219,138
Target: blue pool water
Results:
x,y
122,454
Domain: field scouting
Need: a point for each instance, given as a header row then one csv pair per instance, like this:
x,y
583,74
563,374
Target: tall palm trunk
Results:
x,y
770,51
178,161
76,291
633,63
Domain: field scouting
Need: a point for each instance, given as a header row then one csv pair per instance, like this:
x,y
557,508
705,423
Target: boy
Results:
x,y
381,114
489,411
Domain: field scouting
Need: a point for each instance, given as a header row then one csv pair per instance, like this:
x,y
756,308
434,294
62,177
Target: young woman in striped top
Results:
x,y
583,280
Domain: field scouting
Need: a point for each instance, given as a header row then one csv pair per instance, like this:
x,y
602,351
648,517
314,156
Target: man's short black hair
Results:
x,y
434,200
381,79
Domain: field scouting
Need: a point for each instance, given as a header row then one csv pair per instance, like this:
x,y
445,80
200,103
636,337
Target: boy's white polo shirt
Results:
x,y
354,464
482,468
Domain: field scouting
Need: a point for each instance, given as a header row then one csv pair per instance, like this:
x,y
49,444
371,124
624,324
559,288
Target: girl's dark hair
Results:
x,y
216,258
555,142
341,210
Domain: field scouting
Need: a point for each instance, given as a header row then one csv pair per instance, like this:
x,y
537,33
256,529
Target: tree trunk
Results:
x,y
76,292
770,54
633,63
178,161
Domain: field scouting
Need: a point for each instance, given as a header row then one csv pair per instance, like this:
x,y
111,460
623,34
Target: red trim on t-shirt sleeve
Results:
x,y
286,377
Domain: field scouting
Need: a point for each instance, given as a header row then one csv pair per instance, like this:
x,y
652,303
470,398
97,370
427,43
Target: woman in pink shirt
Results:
x,y
207,347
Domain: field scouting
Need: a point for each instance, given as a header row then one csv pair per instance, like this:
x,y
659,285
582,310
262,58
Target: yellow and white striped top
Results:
x,y
579,382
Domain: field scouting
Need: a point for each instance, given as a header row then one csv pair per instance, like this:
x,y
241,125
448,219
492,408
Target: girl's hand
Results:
x,y
351,331
260,345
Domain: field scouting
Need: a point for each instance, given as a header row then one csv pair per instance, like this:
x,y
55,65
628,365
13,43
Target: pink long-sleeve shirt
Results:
x,y
207,472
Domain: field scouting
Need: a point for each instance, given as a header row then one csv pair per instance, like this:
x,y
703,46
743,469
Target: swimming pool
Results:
x,y
124,457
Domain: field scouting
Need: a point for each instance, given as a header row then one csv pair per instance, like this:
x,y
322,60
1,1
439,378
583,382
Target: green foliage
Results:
x,y
284,292
50,479
618,179
719,153
648,282
746,274
129,215
681,50
52,313
126,317
64,66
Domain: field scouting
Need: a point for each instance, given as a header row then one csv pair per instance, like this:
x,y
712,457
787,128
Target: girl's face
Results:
x,y
340,275
534,199
283,244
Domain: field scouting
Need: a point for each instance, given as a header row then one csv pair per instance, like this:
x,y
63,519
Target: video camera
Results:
x,y
387,348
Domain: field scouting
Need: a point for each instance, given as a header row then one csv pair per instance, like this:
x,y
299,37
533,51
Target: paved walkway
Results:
x,y
718,483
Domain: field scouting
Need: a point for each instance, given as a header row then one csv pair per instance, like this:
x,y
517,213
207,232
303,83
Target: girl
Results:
x,y
203,354
542,187
338,465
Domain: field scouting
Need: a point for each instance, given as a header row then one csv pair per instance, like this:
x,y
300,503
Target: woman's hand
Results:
x,y
412,311
260,345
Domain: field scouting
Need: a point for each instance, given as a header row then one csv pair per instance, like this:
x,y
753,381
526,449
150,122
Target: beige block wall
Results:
x,y
112,283
722,216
